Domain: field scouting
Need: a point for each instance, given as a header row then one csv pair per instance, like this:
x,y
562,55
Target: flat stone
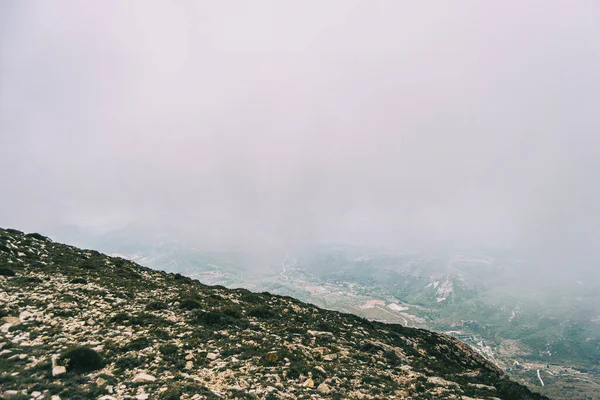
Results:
x,y
35,394
58,370
11,320
323,388
212,356
142,377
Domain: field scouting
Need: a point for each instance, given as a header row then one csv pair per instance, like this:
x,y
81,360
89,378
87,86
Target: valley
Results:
x,y
538,336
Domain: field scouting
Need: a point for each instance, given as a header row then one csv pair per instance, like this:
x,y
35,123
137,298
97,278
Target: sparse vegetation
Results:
x,y
219,343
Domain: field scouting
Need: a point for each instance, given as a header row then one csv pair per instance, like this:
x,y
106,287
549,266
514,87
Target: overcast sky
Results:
x,y
361,121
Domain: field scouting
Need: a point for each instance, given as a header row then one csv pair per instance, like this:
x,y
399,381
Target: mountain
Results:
x,y
77,324
545,335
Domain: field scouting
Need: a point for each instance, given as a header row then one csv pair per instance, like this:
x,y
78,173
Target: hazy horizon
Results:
x,y
296,123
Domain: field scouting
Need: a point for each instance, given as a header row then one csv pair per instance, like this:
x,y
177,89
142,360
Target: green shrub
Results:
x,y
32,279
169,350
137,344
120,317
156,305
190,304
250,297
182,278
36,236
262,312
216,318
128,363
82,359
5,271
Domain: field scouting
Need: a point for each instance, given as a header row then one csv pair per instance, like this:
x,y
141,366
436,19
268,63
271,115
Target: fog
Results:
x,y
370,122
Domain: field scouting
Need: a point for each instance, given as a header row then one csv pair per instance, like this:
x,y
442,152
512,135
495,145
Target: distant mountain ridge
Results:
x,y
77,324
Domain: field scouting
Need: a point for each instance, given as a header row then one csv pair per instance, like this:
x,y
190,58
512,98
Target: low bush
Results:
x,y
5,271
169,351
37,236
262,312
124,363
137,344
156,306
82,359
190,304
217,318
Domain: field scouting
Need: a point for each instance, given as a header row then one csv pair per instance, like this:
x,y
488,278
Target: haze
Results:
x,y
299,122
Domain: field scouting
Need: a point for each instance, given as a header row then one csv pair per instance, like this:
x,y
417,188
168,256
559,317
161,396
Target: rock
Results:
x,y
106,397
100,381
11,320
25,315
323,388
309,383
142,396
11,393
55,397
212,356
35,394
190,356
58,370
320,334
319,368
329,357
189,365
142,377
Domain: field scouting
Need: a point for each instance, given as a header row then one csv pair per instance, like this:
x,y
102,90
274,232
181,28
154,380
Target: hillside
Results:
x,y
77,324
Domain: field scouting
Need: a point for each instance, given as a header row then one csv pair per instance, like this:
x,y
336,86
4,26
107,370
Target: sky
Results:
x,y
370,122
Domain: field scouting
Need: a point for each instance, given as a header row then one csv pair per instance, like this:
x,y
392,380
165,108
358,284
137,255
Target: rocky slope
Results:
x,y
77,324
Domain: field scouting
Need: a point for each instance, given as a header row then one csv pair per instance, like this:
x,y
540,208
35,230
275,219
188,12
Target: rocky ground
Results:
x,y
76,324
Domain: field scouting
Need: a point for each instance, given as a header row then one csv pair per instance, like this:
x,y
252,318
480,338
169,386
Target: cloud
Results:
x,y
354,121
